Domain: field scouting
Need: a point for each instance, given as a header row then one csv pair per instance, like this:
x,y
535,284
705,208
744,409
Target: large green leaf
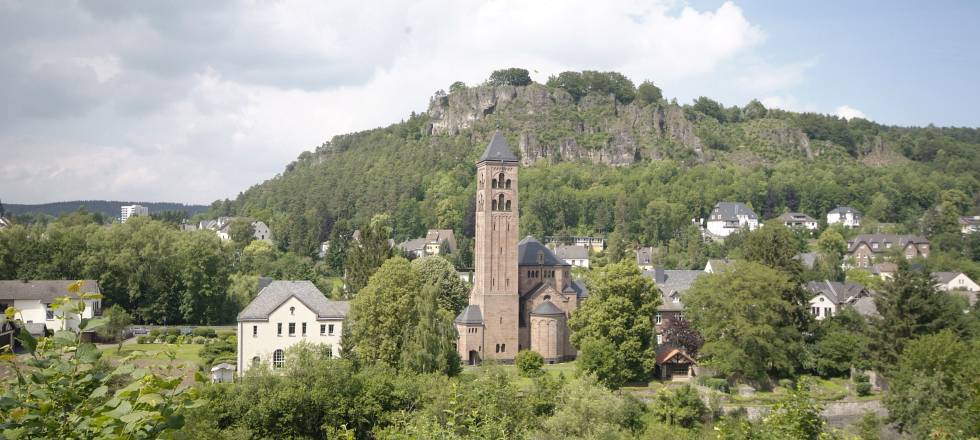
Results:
x,y
26,340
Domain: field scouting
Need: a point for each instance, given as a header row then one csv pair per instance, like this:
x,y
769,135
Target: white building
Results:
x,y
33,299
283,314
574,255
970,225
4,223
728,217
222,227
132,211
845,215
798,220
595,243
957,282
830,296
434,243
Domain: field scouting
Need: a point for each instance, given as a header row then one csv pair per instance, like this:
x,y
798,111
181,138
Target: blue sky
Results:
x,y
196,101
899,62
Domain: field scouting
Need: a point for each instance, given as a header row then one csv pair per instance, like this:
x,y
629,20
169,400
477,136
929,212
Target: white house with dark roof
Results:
x,y
728,217
957,282
434,243
830,296
798,220
283,314
577,256
673,284
845,215
970,225
34,298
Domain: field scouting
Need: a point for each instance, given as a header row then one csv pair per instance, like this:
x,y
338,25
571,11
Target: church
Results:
x,y
523,294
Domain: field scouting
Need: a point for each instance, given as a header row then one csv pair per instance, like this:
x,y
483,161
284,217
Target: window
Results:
x,y
256,361
255,331
330,329
657,318
304,329
292,310
815,311
277,359
874,245
503,348
279,329
507,184
827,311
329,351
507,206
493,183
48,311
496,348
493,206
500,202
292,329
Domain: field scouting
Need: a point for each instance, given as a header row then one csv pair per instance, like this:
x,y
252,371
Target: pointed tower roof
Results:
x,y
497,150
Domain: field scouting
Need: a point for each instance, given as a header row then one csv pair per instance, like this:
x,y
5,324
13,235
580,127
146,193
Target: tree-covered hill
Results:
x,y
105,207
600,155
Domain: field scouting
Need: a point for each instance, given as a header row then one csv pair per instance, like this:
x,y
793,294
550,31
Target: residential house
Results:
x,y
132,211
830,296
716,265
970,225
356,238
645,257
283,314
884,270
957,282
807,259
845,215
864,248
595,243
222,227
673,284
435,242
728,217
798,220
34,298
577,256
4,223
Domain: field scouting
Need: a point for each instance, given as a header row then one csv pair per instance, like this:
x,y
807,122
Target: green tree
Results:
x,y
681,406
382,313
439,272
933,391
340,239
795,417
709,108
909,306
647,93
587,410
754,110
117,320
529,363
841,342
367,254
457,87
430,347
617,320
241,231
513,76
746,320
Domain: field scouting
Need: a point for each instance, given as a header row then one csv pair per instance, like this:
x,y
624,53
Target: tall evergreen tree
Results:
x,y
430,338
367,254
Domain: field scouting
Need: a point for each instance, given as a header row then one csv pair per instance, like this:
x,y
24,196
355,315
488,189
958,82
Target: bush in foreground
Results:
x,y
529,363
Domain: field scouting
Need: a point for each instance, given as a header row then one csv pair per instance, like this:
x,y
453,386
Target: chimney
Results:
x,y
659,275
263,283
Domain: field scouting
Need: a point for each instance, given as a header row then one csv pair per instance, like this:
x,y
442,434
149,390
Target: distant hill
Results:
x,y
603,156
106,207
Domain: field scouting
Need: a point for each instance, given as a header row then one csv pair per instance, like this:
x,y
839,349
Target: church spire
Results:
x,y
497,150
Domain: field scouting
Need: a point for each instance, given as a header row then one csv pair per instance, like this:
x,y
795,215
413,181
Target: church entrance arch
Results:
x,y
474,358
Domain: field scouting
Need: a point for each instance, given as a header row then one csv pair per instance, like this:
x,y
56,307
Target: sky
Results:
x,y
190,101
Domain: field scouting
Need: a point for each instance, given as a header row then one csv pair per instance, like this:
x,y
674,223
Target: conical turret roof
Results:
x,y
497,150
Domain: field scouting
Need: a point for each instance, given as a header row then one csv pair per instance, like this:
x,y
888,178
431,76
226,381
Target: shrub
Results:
x,y
155,333
233,340
529,363
171,339
224,334
206,332
173,331
200,339
860,377
786,383
715,383
863,388
681,407
142,339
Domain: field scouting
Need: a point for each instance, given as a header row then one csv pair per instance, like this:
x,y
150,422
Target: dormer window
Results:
x,y
874,245
540,257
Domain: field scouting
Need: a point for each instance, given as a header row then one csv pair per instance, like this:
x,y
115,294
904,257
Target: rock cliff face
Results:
x,y
554,128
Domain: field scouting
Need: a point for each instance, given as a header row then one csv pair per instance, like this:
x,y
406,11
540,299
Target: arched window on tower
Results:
x,y
493,183
500,179
500,202
493,205
508,206
507,184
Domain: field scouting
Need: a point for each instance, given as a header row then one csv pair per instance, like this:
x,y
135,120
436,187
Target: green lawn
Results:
x,y
156,352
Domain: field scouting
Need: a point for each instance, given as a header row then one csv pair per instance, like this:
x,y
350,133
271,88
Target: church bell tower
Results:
x,y
495,285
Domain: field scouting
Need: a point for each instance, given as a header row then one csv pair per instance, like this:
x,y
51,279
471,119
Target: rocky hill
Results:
x,y
599,153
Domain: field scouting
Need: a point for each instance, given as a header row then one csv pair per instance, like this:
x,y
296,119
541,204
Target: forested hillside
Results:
x,y
600,155
107,208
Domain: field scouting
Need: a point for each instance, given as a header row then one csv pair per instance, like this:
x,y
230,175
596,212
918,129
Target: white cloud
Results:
x,y
766,78
190,103
848,112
